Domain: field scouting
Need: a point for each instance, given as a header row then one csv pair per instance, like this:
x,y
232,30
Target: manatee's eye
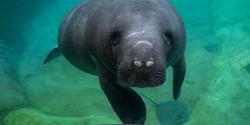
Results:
x,y
115,38
168,38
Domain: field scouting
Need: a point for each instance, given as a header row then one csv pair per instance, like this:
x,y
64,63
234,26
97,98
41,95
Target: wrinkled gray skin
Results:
x,y
127,43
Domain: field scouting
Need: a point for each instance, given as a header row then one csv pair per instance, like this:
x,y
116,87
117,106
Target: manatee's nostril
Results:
x,y
137,63
149,63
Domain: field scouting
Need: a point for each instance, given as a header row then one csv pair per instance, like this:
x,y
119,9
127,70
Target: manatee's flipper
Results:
x,y
179,69
127,104
52,55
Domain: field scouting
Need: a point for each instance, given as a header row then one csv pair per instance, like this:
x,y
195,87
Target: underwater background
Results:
x,y
216,88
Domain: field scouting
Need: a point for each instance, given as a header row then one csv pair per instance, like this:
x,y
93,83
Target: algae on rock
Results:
x,y
34,117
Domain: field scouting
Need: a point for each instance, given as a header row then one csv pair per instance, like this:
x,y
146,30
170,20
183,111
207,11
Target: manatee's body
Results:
x,y
127,43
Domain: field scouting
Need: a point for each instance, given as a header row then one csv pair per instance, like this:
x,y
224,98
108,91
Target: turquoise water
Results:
x,y
216,89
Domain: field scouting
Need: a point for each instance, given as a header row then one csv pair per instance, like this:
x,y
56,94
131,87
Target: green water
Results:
x,y
216,89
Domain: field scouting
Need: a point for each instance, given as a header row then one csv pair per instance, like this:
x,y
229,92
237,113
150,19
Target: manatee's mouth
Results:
x,y
132,77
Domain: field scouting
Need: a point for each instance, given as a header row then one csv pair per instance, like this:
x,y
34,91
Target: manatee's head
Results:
x,y
140,56
142,45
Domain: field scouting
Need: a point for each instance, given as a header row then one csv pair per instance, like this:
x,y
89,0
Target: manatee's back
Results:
x,y
71,38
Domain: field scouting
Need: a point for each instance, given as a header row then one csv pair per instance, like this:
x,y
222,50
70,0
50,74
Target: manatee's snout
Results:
x,y
143,63
142,54
142,66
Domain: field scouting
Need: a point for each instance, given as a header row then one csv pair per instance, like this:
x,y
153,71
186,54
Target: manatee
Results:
x,y
126,43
